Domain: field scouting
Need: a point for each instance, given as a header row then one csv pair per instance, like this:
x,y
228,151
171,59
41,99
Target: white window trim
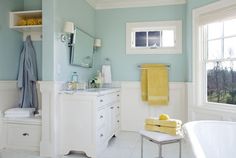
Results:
x,y
175,25
198,99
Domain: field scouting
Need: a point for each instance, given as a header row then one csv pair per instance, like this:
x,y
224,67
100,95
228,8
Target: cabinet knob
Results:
x,y
101,116
25,134
112,107
101,135
118,95
118,107
118,121
101,100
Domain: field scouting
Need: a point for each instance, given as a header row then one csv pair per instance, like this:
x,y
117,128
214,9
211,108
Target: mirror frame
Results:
x,y
71,49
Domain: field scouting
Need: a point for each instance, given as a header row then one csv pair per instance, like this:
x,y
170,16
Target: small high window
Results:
x,y
154,37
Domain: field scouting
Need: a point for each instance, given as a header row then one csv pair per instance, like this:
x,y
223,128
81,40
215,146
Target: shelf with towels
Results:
x,y
27,22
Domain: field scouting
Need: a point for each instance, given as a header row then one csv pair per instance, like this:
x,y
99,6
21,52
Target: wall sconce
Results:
x,y
69,29
97,43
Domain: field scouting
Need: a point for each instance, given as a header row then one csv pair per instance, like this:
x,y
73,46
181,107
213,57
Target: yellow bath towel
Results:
x,y
167,130
144,81
155,84
167,123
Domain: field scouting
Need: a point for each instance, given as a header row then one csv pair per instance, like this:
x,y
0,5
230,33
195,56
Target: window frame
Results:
x,y
157,26
197,90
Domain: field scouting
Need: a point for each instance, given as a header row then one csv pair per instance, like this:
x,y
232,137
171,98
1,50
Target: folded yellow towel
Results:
x,y
155,84
31,21
39,21
22,22
167,123
167,130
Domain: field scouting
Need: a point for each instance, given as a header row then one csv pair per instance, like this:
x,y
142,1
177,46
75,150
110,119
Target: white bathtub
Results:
x,y
212,139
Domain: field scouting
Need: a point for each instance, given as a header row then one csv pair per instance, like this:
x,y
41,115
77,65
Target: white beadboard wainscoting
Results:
x,y
134,110
9,95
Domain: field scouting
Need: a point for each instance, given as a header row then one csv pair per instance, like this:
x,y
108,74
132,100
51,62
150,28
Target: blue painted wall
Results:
x,y
10,40
32,4
111,27
83,15
48,40
106,24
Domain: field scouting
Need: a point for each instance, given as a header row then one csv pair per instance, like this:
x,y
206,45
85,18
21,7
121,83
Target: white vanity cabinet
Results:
x,y
88,120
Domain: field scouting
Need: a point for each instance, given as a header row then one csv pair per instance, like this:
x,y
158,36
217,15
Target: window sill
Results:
x,y
218,108
144,51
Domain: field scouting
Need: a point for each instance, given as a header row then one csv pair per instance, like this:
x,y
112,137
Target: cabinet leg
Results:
x,y
141,146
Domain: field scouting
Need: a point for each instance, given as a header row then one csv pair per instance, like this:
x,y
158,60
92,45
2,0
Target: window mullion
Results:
x,y
205,60
147,39
222,42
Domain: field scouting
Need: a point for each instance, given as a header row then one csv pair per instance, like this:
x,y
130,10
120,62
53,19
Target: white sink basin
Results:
x,y
96,89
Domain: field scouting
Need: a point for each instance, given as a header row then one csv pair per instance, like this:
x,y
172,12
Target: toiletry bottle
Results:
x,y
74,77
98,80
74,80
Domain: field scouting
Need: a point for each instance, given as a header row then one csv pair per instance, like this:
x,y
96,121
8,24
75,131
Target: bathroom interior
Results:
x,y
117,79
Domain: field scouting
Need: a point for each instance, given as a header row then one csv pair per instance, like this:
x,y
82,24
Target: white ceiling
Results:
x,y
108,4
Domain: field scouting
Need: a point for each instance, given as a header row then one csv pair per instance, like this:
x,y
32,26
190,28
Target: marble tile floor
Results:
x,y
125,145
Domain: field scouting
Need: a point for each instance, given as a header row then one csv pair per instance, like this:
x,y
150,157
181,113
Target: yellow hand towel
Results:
x,y
167,130
155,84
167,123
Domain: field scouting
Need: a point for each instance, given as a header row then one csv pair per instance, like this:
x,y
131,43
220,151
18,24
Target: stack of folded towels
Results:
x,y
163,124
19,112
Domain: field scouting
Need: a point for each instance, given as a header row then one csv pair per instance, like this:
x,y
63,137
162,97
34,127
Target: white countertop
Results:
x,y
92,91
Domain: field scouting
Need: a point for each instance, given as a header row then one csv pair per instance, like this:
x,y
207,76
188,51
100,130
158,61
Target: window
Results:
x,y
219,47
154,37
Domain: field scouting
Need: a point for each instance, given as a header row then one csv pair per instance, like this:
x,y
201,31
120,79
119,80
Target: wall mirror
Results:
x,y
81,49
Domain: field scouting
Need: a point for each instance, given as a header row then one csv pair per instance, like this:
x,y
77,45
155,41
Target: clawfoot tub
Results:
x,y
212,139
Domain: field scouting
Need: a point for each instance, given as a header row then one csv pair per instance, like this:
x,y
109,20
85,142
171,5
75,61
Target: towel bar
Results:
x,y
139,66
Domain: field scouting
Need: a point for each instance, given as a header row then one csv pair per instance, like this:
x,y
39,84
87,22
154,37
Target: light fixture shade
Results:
x,y
97,43
69,27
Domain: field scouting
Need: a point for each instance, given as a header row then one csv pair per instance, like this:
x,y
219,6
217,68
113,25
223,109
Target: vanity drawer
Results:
x,y
117,96
23,135
101,136
106,99
117,109
117,123
101,118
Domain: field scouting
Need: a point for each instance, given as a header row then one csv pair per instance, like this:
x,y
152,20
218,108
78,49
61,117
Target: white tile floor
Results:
x,y
125,145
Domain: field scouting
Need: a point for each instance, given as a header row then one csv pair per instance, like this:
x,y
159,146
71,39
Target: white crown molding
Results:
x,y
136,3
92,3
